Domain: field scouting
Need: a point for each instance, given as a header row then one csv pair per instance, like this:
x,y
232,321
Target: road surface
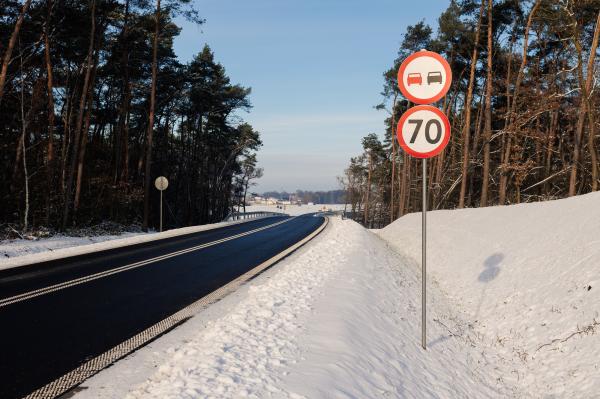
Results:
x,y
58,315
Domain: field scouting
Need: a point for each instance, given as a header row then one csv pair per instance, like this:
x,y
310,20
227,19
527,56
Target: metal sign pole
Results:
x,y
161,183
417,69
424,261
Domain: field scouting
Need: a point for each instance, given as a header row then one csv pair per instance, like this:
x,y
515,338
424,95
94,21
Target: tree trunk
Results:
x,y
66,136
81,158
550,137
393,180
147,176
51,117
366,211
121,161
407,186
11,46
125,171
245,193
583,108
592,147
475,145
513,107
24,150
84,138
402,184
488,113
79,125
467,126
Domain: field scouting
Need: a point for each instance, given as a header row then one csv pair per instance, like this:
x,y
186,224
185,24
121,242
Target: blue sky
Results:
x,y
315,68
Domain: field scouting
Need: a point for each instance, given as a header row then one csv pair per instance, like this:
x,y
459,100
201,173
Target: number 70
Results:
x,y
419,122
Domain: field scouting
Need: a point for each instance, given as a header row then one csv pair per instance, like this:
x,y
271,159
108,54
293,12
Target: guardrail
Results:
x,y
329,212
251,215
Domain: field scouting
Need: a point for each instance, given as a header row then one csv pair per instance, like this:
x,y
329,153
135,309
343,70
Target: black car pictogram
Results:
x,y
434,77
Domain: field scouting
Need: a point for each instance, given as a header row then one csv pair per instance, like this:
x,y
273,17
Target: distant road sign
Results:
x,y
424,77
161,183
423,131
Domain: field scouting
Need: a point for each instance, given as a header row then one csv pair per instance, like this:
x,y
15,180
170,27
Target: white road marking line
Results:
x,y
95,365
81,280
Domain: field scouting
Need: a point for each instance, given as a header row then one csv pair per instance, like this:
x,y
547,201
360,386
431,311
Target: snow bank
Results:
x,y
15,253
340,318
527,279
20,247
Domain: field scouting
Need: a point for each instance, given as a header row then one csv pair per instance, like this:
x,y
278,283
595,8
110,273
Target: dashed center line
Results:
x,y
82,280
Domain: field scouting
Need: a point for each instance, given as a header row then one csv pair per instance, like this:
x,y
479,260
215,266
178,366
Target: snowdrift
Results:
x,y
526,278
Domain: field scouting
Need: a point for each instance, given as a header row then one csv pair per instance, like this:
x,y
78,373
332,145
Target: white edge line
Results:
x,y
75,377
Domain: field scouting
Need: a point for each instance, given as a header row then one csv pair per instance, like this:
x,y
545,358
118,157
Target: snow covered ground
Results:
x,y
13,248
526,278
340,318
513,296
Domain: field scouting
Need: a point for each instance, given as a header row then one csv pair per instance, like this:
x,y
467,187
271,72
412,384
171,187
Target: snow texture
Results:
x,y
526,278
513,296
340,318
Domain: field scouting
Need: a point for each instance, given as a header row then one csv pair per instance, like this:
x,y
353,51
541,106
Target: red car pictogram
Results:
x,y
414,79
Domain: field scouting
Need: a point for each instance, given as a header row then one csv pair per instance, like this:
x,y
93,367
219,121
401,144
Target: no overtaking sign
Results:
x,y
424,77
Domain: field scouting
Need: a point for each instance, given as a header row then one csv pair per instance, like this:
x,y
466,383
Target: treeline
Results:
x,y
523,108
321,197
316,197
94,105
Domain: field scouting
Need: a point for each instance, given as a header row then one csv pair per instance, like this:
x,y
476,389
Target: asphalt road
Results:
x,y
101,299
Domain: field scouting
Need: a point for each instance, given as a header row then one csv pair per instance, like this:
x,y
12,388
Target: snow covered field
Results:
x,y
295,210
514,302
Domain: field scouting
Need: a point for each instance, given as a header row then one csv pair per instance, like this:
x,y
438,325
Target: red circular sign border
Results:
x,y
418,54
412,152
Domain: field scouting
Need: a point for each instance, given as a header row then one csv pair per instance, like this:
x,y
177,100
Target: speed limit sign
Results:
x,y
423,131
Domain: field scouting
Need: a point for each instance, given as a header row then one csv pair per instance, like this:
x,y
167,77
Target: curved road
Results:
x,y
56,316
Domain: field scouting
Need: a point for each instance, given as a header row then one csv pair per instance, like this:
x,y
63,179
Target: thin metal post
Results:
x,y
161,211
424,261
